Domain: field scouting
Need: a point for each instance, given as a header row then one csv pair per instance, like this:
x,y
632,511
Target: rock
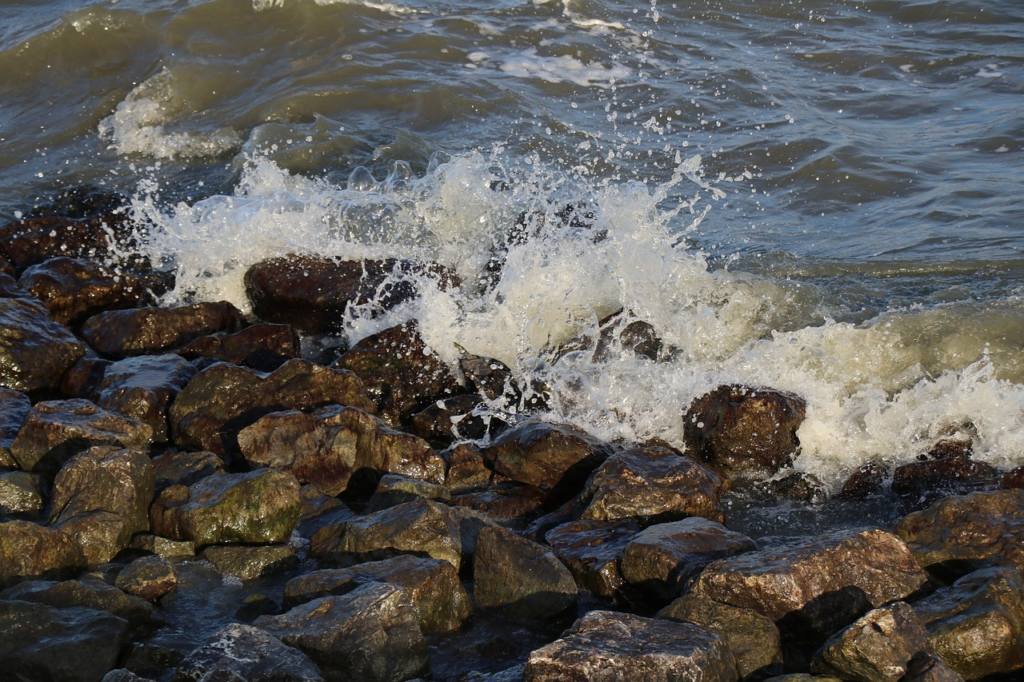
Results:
x,y
34,351
508,502
869,478
249,563
745,431
319,510
89,592
983,528
123,675
548,456
31,551
466,470
149,577
83,377
818,585
661,558
20,493
921,483
441,602
977,624
620,647
257,507
243,652
877,647
753,639
449,420
165,547
1013,478
73,289
38,642
401,373
593,552
14,407
35,240
653,485
101,498
223,399
327,447
370,634
138,331
142,388
926,667
491,378
56,430
521,579
261,346
256,605
185,468
154,660
394,489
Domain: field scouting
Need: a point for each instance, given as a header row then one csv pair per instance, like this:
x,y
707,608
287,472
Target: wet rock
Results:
x,y
466,470
20,493
982,528
142,388
369,634
9,287
521,579
449,420
123,675
926,667
491,378
34,351
394,489
327,447
165,547
35,240
869,478
138,331
261,346
743,430
257,507
38,642
977,624
319,510
223,399
256,605
89,592
83,377
101,498
652,485
244,652
249,563
818,585
549,456
753,639
508,502
620,647
185,468
14,407
401,373
73,289
28,550
153,660
149,577
921,483
661,558
593,552
441,602
1013,478
56,430
877,647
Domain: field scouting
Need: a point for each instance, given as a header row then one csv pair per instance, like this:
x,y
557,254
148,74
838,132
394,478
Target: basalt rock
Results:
x,y
620,647
876,648
101,498
185,468
370,634
593,552
142,388
244,652
54,431
653,484
139,331
818,585
258,507
20,493
149,577
73,289
264,347
743,430
441,602
921,483
249,563
28,550
34,351
90,592
223,399
521,579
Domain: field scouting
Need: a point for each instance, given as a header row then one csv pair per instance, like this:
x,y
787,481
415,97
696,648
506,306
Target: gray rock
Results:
x,y
876,648
34,351
243,653
123,675
142,388
249,563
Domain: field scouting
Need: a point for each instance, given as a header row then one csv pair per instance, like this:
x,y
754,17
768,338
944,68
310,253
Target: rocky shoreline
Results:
x,y
185,496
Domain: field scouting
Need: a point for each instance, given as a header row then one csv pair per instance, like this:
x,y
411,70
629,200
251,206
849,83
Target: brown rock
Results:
x,y
73,289
867,479
878,647
14,407
34,351
31,551
142,388
138,331
593,552
185,468
921,483
35,240
249,563
508,502
261,346
82,378
449,420
20,493
926,667
244,652
395,489
150,577
466,470
1013,478
90,592
491,378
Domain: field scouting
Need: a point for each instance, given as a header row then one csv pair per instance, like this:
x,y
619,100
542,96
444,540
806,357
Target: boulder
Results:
x,y
139,331
14,407
165,547
621,647
593,552
20,493
370,634
512,504
921,483
743,430
523,580
449,420
185,468
662,558
56,430
466,470
817,585
753,639
927,667
73,289
90,592
869,478
249,563
223,399
264,347
441,602
101,498
35,240
876,648
243,652
651,485
142,388
82,378
34,351
395,489
977,624
149,577
28,550
983,528
257,507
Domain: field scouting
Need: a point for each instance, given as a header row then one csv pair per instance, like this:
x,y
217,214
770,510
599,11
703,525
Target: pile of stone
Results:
x,y
139,442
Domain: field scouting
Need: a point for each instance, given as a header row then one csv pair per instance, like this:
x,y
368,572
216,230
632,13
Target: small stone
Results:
x,y
165,547
150,577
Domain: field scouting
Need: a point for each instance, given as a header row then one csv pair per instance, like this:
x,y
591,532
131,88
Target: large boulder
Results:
x,y
143,387
34,351
261,346
138,331
876,648
74,288
593,552
744,430
244,652
28,550
621,647
90,592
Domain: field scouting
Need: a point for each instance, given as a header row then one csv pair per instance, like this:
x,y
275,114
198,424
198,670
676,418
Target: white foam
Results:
x,y
564,69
